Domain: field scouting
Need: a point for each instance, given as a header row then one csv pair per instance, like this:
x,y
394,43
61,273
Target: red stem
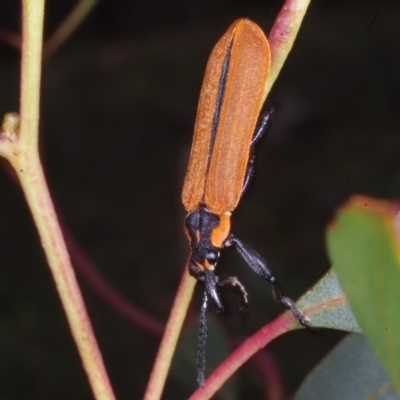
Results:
x,y
111,296
270,374
280,325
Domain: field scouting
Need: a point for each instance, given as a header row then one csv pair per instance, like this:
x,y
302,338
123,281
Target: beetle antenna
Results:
x,y
201,344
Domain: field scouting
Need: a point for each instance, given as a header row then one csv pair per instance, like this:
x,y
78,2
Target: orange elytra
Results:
x,y
221,164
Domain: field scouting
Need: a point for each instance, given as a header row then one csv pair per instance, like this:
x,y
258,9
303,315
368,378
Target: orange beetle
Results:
x,y
221,160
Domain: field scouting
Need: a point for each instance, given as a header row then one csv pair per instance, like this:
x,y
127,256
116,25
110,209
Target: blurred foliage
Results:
x,y
350,369
119,103
364,249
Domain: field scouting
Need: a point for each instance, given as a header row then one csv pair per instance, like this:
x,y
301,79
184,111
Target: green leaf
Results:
x,y
327,306
351,371
363,247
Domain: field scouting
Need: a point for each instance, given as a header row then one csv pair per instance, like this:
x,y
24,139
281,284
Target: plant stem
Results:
x,y
283,34
68,26
34,186
10,38
128,310
265,335
22,152
32,37
168,343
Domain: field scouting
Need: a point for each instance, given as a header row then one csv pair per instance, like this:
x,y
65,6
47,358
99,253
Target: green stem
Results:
x,y
31,65
37,195
170,338
22,151
283,34
68,26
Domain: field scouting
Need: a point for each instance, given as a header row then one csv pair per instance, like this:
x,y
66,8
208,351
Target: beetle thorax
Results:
x,y
207,233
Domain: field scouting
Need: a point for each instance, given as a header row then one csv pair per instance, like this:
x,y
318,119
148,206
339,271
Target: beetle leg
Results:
x,y
260,267
262,127
235,283
249,173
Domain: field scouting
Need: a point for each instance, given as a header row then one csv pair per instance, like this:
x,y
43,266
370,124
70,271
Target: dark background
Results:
x,y
118,108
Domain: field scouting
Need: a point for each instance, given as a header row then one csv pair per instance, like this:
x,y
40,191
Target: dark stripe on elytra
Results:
x,y
218,106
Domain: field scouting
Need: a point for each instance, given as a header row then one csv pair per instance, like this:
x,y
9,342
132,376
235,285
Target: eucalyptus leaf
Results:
x,y
364,249
351,371
327,305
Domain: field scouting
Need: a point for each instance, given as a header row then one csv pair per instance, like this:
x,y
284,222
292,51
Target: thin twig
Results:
x,y
102,287
270,374
22,152
168,343
265,335
11,38
68,26
283,34
284,323
82,262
